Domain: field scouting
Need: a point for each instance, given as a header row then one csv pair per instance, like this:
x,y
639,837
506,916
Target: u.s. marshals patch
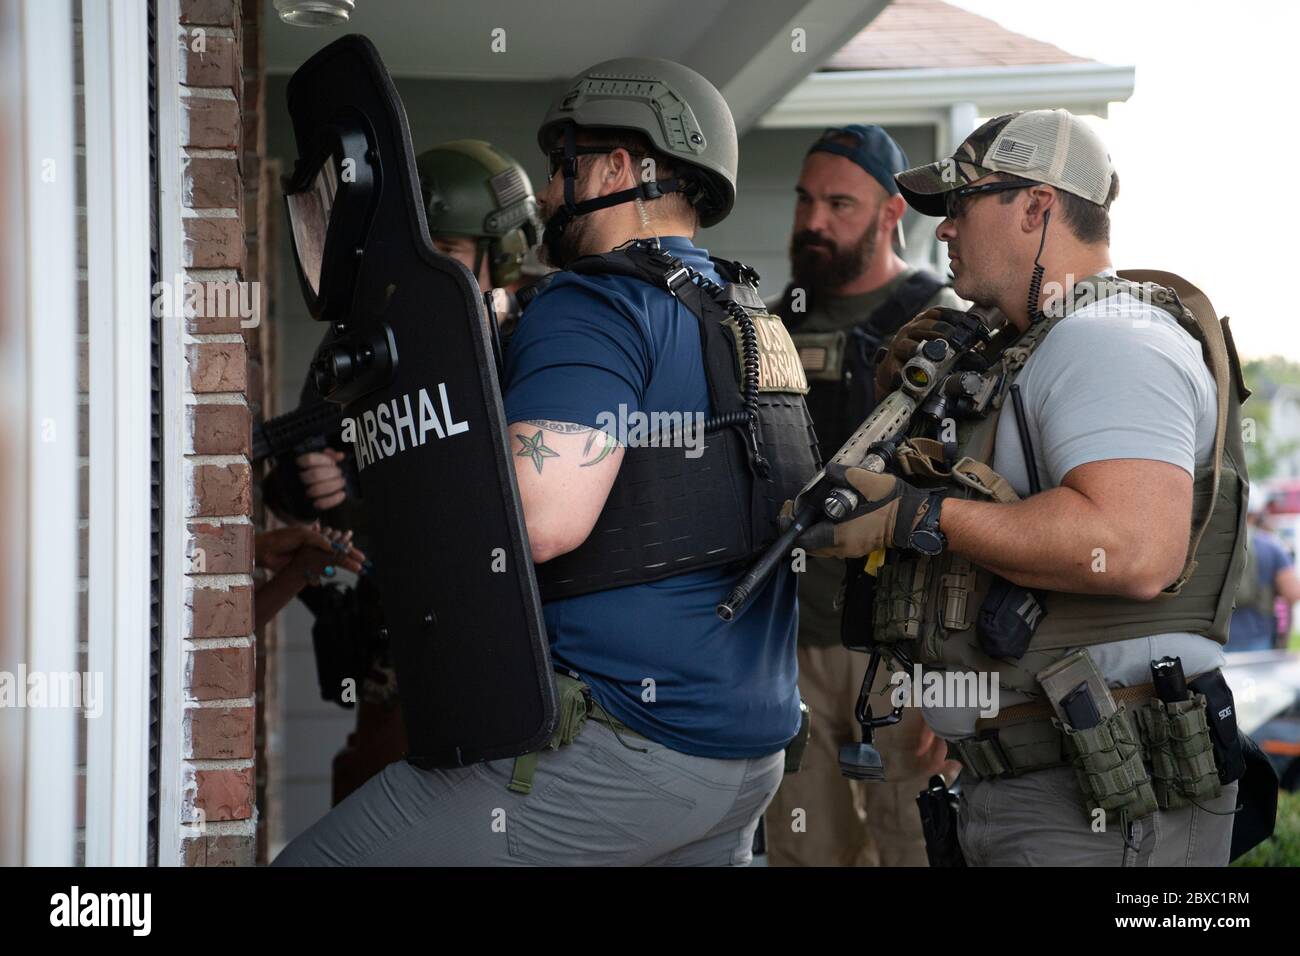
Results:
x,y
779,366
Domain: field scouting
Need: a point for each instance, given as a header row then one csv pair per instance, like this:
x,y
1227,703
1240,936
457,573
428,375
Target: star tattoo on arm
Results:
x,y
599,443
535,448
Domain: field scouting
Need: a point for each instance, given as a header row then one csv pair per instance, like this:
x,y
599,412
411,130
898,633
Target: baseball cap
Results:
x,y
1053,147
873,149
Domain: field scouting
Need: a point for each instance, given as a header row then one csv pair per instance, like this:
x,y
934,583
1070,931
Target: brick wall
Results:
x,y
221,190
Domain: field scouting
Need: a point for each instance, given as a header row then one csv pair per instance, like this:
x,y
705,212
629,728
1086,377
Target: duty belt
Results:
x,y
576,706
1146,755
602,716
1022,739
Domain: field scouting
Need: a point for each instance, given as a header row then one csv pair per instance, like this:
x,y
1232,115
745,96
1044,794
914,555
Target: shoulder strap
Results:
x,y
740,283
1214,341
733,270
662,269
528,294
905,302
980,434
659,267
782,308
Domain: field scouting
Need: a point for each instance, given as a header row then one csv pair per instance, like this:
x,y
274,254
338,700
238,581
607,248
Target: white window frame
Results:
x,y
40,774
115,54
171,245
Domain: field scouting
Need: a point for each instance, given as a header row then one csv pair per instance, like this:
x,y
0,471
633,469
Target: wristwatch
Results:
x,y
926,537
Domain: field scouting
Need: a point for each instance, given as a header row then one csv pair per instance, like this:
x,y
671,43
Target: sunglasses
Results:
x,y
556,157
954,202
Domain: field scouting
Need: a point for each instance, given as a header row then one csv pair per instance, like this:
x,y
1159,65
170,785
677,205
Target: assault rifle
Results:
x,y
945,377
309,428
942,373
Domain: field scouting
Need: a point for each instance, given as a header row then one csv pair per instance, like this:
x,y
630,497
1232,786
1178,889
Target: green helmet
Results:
x,y
682,113
471,188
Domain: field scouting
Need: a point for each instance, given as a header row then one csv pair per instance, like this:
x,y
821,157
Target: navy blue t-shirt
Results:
x,y
727,690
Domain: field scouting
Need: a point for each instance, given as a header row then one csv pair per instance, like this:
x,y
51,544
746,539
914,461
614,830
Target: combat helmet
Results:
x,y
679,111
471,188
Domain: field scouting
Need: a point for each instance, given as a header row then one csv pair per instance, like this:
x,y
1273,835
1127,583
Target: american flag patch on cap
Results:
x,y
1014,152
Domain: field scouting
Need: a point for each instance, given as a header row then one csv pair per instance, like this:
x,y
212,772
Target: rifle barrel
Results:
x,y
282,434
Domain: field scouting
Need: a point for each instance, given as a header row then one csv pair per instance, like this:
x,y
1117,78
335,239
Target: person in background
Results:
x,y
481,211
298,557
1270,574
850,292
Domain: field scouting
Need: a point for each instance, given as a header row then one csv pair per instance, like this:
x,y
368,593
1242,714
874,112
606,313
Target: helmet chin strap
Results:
x,y
572,209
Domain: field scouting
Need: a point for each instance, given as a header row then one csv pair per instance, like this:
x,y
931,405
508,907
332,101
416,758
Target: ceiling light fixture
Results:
x,y
315,13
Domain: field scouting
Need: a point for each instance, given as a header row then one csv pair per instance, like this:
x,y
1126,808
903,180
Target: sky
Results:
x,y
1206,147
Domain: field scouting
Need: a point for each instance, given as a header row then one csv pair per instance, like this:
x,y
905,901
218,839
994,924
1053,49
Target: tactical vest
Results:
x,y
928,607
841,365
668,513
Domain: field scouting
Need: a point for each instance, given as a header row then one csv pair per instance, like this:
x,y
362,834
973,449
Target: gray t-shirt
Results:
x,y
1118,378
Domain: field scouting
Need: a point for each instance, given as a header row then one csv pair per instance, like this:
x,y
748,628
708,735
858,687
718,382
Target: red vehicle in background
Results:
x,y
1283,496
1281,510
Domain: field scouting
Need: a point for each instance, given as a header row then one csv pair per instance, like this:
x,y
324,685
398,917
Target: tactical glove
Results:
x,y
887,512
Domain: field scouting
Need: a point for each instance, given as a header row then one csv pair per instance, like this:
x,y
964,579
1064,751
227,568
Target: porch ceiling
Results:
x,y
745,48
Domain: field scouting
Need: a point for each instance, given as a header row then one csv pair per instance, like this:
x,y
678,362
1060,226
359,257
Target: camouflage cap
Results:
x,y
1047,146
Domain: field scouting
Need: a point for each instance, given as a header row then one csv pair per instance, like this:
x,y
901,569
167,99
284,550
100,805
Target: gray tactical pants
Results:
x,y
597,801
1041,819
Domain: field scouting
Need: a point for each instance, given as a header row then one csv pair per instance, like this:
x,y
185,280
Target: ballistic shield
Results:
x,y
409,360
